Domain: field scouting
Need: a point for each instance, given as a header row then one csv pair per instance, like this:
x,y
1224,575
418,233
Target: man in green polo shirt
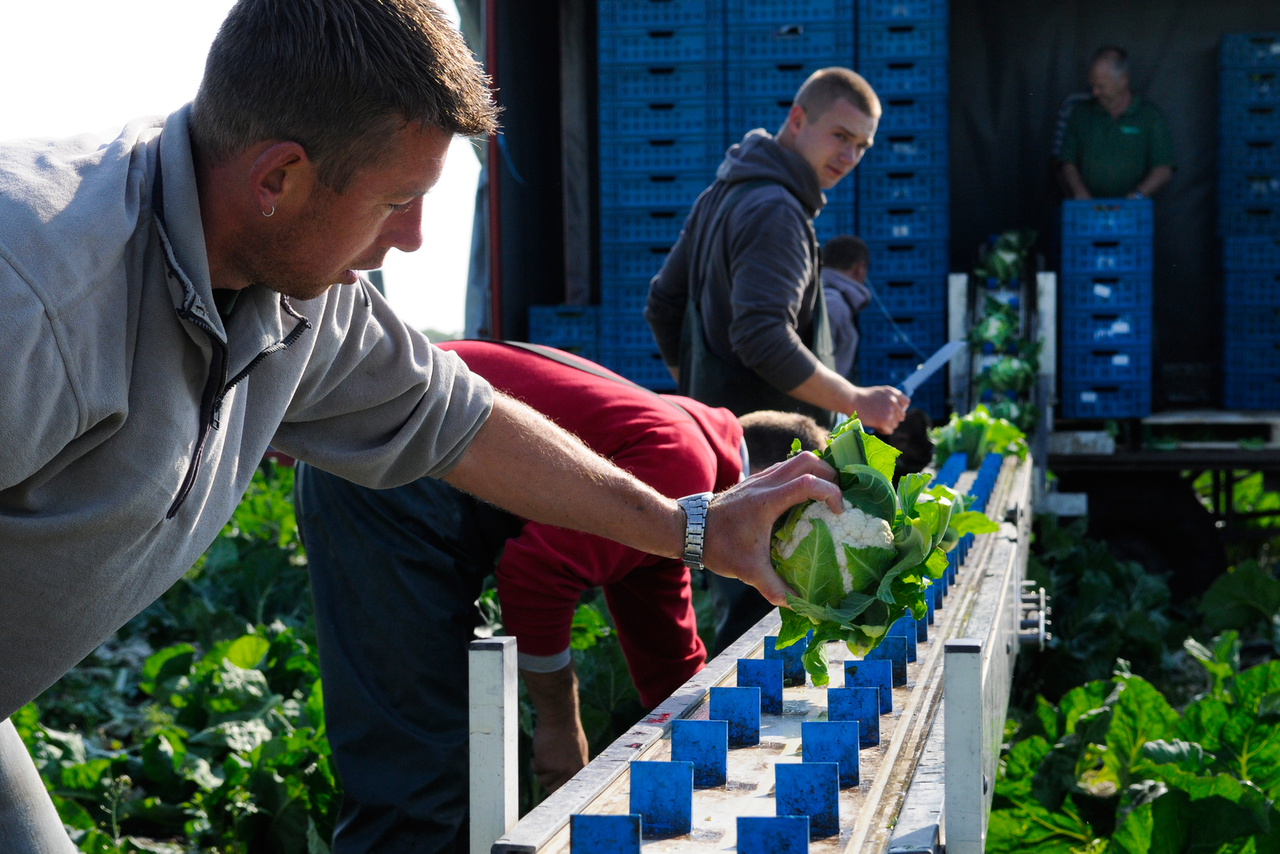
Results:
x,y
1116,144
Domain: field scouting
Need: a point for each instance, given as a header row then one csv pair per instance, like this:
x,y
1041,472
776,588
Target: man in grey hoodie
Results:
x,y
168,310
737,308
845,264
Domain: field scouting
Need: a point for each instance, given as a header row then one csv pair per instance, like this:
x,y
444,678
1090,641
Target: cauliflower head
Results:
x,y
852,527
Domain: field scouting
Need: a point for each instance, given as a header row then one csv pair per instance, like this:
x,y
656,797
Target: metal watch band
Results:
x,y
695,526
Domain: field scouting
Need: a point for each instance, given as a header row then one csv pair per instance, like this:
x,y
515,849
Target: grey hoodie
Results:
x,y
132,416
757,303
846,298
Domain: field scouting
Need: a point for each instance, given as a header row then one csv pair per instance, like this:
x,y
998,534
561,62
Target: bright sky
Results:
x,y
84,65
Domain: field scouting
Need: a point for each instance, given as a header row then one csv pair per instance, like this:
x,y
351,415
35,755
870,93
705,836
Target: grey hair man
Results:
x,y
169,311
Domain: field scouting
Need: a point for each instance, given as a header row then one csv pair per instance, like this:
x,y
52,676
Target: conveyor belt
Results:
x,y
888,771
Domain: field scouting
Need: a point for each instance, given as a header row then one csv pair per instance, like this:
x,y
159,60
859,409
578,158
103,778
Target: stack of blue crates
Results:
x,y
1249,218
773,46
903,191
661,136
1106,308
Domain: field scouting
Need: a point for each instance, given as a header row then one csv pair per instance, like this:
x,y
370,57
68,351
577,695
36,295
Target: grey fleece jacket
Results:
x,y
132,416
757,303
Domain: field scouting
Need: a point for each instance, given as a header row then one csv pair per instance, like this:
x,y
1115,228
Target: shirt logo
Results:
x,y
1129,129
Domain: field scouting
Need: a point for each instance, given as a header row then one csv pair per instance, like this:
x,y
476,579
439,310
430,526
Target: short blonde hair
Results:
x,y
828,85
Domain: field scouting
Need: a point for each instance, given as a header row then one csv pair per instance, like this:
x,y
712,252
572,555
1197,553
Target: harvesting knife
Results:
x,y
931,366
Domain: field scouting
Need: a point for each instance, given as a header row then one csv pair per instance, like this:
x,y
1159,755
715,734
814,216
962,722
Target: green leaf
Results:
x,y
936,563
869,491
1221,669
849,609
1202,722
1186,755
844,446
879,455
84,777
1139,715
811,570
913,548
972,522
1029,828
910,486
167,665
1240,599
867,566
247,651
1133,836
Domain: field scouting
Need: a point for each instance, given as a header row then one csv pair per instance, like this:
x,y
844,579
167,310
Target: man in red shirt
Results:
x,y
396,573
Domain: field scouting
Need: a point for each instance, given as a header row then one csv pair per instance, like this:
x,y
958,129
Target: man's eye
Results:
x,y
400,207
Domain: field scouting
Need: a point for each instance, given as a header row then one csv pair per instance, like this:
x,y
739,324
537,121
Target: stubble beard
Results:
x,y
269,261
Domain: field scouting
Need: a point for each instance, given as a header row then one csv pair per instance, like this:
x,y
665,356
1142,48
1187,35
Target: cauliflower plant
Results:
x,y
854,527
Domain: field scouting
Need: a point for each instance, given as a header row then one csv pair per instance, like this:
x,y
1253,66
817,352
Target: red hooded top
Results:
x,y
676,445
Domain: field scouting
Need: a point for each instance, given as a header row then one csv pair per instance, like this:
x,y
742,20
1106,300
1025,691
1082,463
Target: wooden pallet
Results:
x,y
1212,430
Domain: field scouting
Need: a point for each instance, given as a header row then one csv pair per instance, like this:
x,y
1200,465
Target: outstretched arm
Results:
x,y
525,464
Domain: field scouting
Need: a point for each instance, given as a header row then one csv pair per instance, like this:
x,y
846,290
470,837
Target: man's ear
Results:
x,y
281,177
796,118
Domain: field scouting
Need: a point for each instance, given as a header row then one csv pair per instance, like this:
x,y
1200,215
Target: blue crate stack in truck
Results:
x,y
661,136
1106,308
902,190
1249,218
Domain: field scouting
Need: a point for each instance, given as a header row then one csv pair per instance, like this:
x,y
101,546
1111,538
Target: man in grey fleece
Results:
x,y
845,264
167,311
737,308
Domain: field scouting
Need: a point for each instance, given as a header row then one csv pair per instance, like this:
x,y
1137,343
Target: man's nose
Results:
x,y
403,229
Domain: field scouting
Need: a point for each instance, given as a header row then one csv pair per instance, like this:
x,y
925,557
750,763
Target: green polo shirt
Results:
x,y
1114,155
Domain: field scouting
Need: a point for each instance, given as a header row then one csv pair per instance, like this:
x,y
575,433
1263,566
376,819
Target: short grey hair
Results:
x,y
1117,57
338,77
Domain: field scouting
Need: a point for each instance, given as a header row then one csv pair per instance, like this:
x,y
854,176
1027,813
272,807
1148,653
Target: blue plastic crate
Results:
x,y
913,115
898,222
659,45
906,151
907,260
1250,355
1250,390
621,330
650,227
1130,400
678,154
1249,188
644,367
909,295
927,331
792,43
630,262
754,12
771,80
1249,120
1110,218
1249,220
628,297
749,114
1242,154
1250,50
835,219
1257,288
877,366
562,325
1243,322
634,14
1104,365
904,188
1103,293
661,120
902,40
1107,255
629,190
893,77
698,81
889,11
1107,329
1249,85
1251,253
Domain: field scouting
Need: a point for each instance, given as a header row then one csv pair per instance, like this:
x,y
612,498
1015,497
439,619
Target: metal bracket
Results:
x,y
1033,628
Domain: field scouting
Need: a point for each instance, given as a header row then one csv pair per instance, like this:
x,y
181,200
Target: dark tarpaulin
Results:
x,y
1012,64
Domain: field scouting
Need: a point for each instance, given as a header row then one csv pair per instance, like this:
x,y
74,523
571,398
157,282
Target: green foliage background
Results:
x,y
199,726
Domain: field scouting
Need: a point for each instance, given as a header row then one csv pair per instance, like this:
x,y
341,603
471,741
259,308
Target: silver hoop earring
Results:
x,y
273,210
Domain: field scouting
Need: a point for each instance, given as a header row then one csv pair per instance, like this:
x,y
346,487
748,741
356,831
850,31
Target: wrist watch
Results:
x,y
695,526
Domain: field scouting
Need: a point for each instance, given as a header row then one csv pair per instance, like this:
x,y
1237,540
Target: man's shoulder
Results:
x,y
71,207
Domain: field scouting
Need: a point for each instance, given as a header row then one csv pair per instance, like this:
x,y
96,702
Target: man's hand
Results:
x,y
559,743
740,520
882,407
